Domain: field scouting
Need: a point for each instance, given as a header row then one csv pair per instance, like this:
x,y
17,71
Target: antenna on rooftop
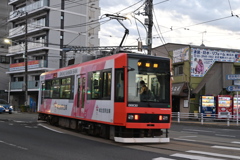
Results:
x,y
202,38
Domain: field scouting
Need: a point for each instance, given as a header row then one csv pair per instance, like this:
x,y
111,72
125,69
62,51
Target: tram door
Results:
x,y
81,93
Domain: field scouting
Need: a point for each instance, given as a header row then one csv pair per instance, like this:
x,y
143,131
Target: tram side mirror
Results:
x,y
36,83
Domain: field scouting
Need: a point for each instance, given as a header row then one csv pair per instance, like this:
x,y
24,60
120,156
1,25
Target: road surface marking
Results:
x,y
235,142
194,157
181,139
13,145
224,147
222,135
49,128
214,154
162,158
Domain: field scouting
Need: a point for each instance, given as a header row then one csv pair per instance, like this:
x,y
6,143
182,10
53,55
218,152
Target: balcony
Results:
x,y
34,7
32,85
32,65
35,26
20,48
12,2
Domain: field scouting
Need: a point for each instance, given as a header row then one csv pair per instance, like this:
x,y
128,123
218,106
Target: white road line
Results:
x,y
214,154
224,147
235,142
196,130
13,145
162,158
222,135
181,139
194,157
50,128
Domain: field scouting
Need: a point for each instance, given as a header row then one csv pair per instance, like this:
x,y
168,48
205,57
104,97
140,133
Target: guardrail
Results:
x,y
206,118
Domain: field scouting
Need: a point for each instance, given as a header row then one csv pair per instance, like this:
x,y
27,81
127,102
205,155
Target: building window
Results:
x,y
237,70
17,79
4,59
178,70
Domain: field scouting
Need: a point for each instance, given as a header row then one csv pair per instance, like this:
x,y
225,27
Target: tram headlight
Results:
x,y
163,118
130,117
133,117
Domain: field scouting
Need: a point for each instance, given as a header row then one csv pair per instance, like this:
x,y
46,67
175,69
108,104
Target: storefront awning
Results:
x,y
179,89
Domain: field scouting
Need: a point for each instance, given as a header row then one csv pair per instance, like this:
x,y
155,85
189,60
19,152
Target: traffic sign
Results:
x,y
236,82
233,88
233,76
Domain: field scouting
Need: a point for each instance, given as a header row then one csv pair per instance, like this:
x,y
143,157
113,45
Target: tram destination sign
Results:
x,y
233,76
233,88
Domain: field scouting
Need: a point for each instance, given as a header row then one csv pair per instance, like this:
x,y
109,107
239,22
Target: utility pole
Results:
x,y
26,59
148,10
62,53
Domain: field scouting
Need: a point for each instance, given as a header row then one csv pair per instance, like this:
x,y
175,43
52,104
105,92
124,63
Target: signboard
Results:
x,y
233,76
180,55
203,59
21,66
233,88
236,82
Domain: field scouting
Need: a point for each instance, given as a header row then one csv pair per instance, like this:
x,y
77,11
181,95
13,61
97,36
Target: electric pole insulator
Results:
x,y
139,46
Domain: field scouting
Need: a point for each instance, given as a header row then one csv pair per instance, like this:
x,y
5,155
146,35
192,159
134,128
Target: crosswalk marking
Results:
x,y
214,154
194,157
224,147
202,155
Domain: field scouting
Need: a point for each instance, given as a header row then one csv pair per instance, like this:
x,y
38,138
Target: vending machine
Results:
x,y
236,106
207,106
224,106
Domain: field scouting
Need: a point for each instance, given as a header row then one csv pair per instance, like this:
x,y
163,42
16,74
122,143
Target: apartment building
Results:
x,y
4,61
40,29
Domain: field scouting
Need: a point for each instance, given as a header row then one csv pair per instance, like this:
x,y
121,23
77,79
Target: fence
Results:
x,y
206,118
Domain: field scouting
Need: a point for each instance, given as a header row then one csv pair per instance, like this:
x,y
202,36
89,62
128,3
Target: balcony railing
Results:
x,y
31,65
31,26
31,45
29,8
20,85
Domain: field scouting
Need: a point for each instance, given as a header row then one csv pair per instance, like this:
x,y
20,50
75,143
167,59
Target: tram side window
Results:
x,y
47,89
107,78
58,88
55,88
65,89
95,88
119,88
99,84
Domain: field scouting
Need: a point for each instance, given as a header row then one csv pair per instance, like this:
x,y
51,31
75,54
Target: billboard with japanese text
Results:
x,y
203,59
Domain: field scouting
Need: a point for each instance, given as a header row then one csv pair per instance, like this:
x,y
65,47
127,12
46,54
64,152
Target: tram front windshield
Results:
x,y
148,80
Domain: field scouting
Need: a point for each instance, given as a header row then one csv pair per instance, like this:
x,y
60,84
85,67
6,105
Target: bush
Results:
x,y
24,108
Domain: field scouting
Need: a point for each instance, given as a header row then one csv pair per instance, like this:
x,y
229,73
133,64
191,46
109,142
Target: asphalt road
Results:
x,y
24,138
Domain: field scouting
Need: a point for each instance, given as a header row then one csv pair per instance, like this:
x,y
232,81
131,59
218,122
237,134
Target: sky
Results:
x,y
215,23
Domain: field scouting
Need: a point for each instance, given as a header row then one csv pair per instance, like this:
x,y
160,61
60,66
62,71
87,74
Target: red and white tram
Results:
x,y
102,97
